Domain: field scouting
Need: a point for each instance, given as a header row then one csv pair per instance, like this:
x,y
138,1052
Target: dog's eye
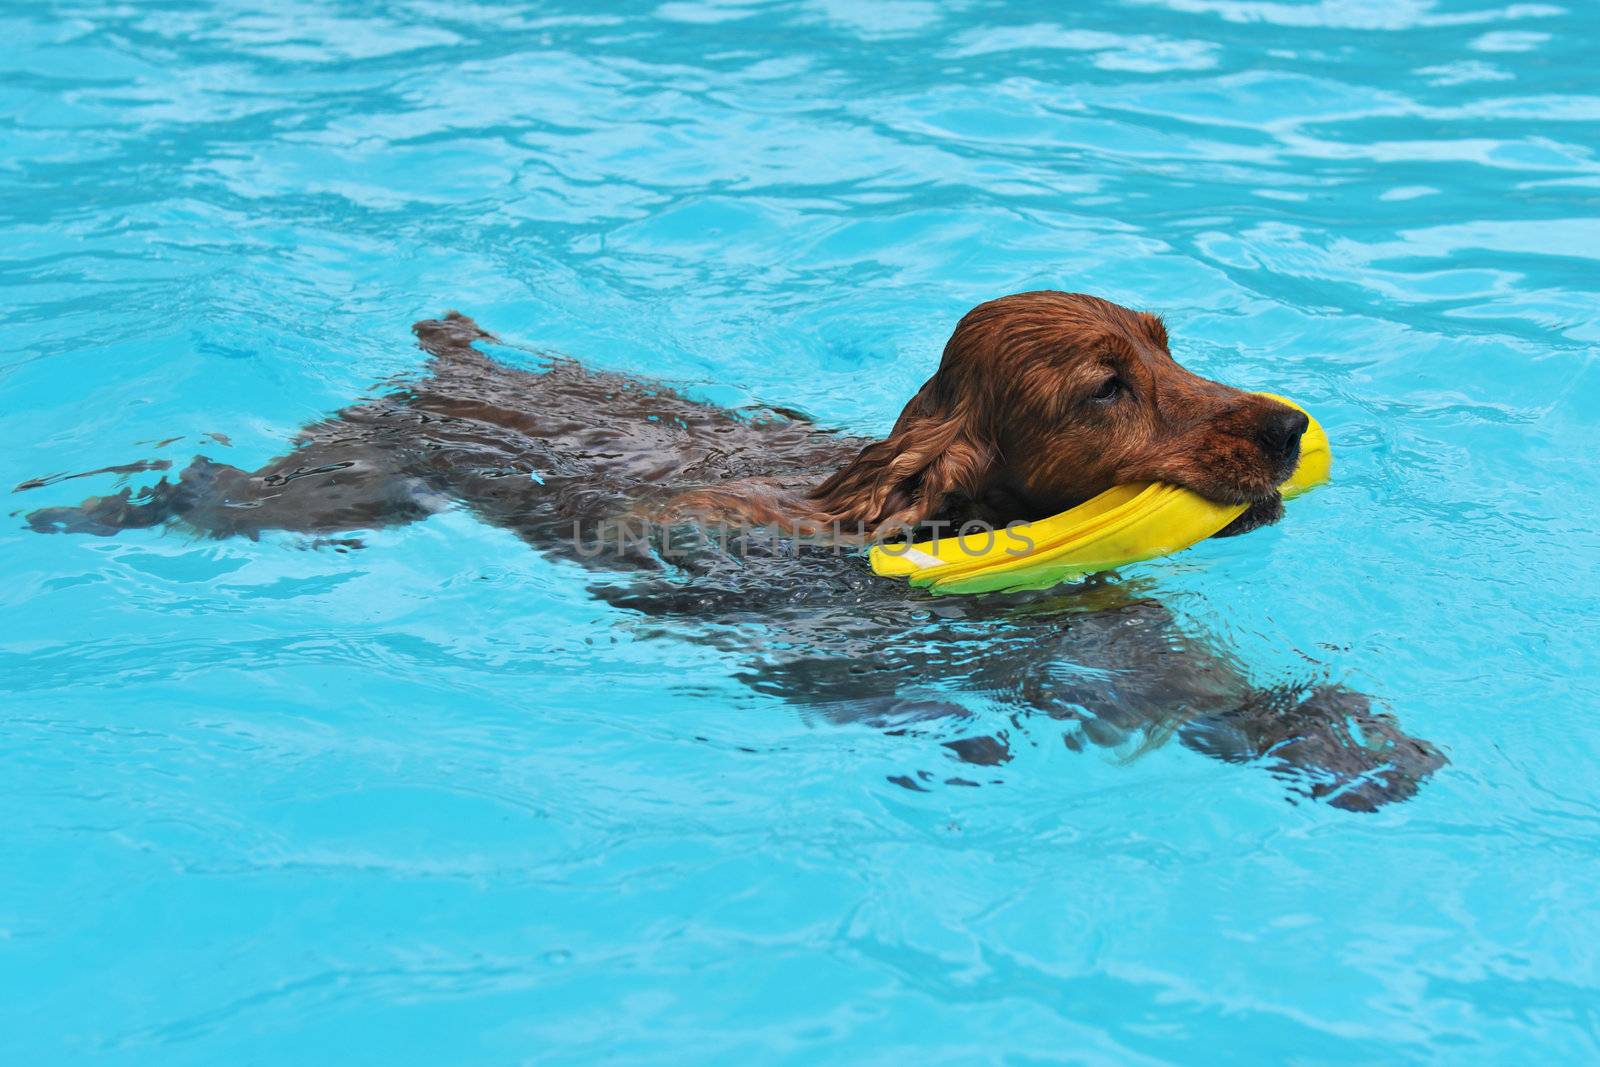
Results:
x,y
1108,390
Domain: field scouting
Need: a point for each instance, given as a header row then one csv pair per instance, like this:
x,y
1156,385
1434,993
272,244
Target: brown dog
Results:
x,y
1041,401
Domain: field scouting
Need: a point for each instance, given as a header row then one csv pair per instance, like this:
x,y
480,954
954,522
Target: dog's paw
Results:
x,y
1327,743
101,516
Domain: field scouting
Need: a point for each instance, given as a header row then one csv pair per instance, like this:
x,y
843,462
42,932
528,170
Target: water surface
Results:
x,y
431,802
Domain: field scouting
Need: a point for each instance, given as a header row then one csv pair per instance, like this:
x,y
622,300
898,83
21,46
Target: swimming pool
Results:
x,y
430,801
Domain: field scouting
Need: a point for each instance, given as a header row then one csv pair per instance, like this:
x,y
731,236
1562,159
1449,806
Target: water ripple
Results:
x,y
429,800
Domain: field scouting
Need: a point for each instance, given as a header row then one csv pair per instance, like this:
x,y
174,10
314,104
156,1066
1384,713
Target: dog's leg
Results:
x,y
344,476
1325,740
1146,677
362,469
1137,678
1119,673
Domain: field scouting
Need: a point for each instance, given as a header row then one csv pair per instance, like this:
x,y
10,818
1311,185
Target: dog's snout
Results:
x,y
1280,432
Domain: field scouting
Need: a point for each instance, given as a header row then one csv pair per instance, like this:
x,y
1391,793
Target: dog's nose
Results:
x,y
1281,430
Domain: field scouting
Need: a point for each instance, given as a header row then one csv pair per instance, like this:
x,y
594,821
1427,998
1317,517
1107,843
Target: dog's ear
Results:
x,y
904,479
1155,327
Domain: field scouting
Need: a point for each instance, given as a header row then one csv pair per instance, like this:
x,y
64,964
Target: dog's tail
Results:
x,y
451,336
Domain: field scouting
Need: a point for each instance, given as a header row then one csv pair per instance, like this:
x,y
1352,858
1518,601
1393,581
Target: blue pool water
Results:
x,y
431,802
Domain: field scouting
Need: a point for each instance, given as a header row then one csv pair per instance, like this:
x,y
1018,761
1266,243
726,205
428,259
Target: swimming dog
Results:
x,y
1041,400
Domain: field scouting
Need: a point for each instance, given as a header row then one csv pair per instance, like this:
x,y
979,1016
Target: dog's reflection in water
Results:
x,y
1041,401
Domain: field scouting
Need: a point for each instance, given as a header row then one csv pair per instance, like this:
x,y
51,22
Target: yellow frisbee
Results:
x,y
1120,526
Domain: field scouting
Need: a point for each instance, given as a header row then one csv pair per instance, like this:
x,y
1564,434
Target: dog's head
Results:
x,y
1045,399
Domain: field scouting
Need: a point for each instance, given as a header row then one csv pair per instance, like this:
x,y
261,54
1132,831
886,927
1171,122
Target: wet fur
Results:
x,y
1007,428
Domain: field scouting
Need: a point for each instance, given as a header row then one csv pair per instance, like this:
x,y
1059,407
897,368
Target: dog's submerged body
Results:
x,y
1042,400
